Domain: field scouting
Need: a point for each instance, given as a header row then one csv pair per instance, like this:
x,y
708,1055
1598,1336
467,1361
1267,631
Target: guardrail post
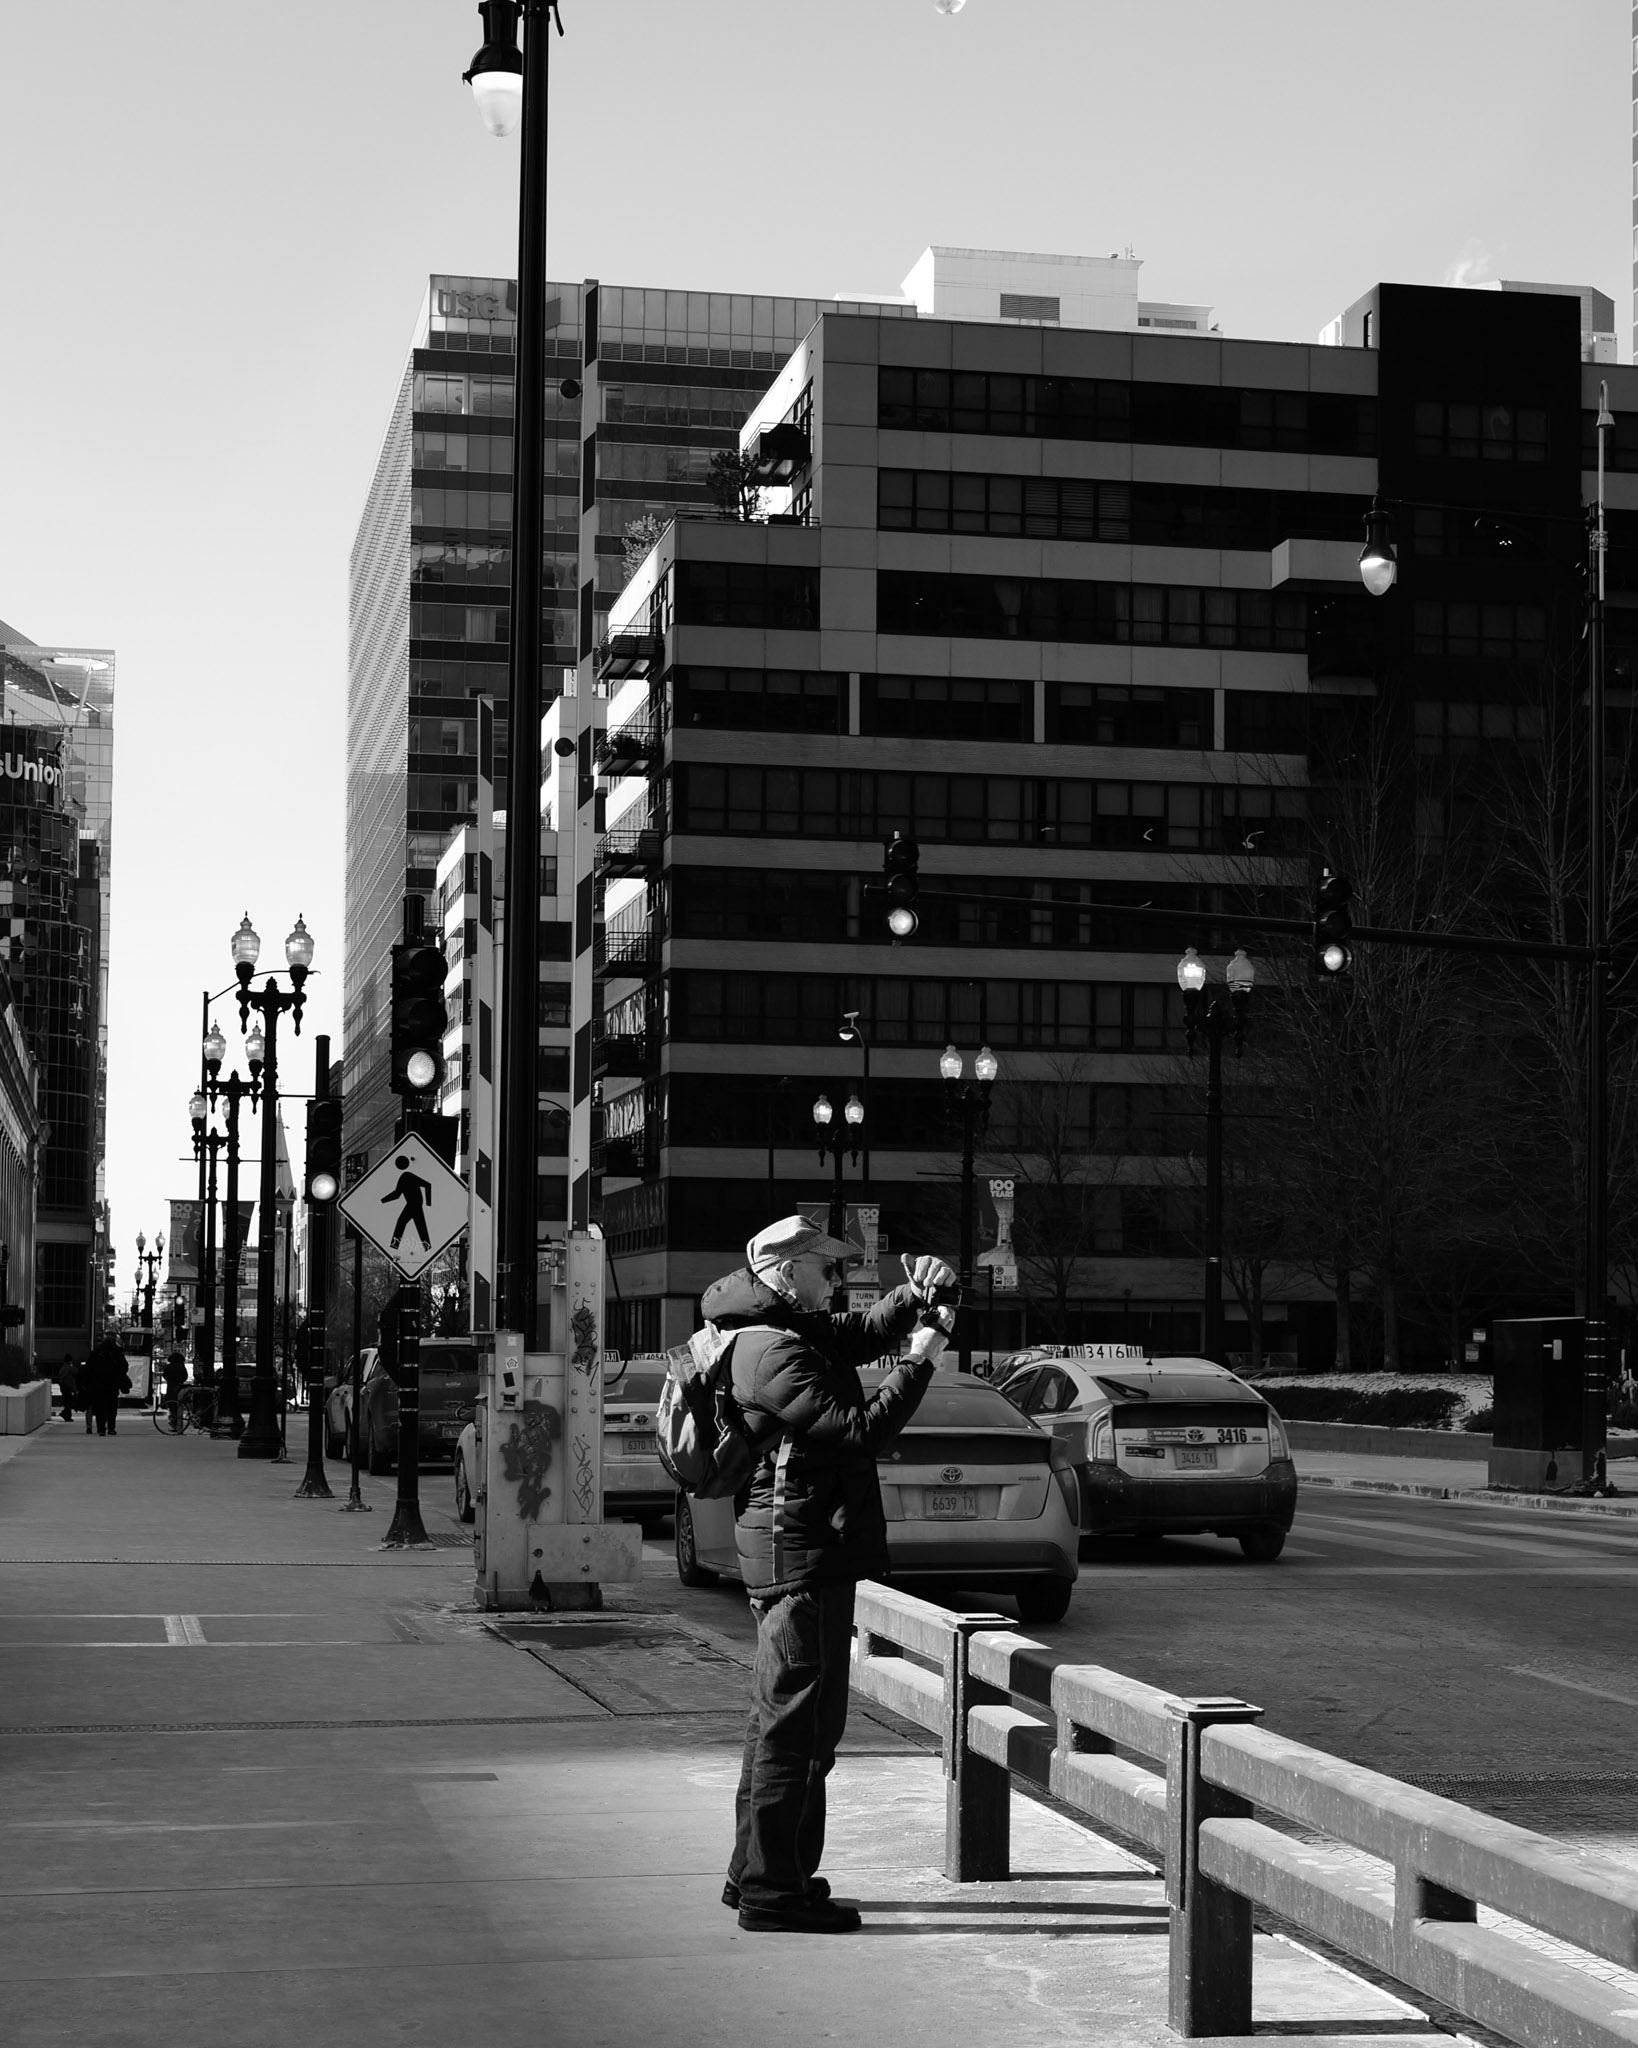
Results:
x,y
1209,1987
977,1793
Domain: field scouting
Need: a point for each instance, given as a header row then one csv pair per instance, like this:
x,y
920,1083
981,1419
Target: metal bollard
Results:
x,y
977,1793
1209,1988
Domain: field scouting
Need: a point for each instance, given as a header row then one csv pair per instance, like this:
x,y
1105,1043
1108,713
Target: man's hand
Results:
x,y
929,1276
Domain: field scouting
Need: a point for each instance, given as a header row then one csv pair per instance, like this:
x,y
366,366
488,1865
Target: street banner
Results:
x,y
182,1246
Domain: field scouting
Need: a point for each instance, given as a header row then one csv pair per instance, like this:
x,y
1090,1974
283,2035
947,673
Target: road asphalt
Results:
x,y
266,1782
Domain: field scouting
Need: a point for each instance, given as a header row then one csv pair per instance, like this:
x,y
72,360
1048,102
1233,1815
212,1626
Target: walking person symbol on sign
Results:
x,y
414,1193
409,1206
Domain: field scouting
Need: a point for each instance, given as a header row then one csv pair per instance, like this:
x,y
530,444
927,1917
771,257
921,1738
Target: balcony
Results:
x,y
620,1053
620,655
626,951
629,748
778,454
629,850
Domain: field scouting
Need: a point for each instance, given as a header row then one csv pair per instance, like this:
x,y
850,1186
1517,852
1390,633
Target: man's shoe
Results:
x,y
818,1889
805,1916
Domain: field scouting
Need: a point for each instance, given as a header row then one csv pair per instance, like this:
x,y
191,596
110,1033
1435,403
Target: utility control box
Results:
x,y
1537,1400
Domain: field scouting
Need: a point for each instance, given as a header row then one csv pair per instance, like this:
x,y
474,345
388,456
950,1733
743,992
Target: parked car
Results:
x,y
449,1395
977,1497
1165,1447
338,1405
636,1486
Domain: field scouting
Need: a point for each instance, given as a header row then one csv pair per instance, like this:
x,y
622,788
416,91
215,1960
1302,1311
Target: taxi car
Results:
x,y
1165,1447
976,1496
449,1393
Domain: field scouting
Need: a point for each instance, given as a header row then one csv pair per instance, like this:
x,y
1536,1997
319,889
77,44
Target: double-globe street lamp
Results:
x,y
147,1261
834,1138
262,1438
1379,572
1207,1015
970,1102
234,1092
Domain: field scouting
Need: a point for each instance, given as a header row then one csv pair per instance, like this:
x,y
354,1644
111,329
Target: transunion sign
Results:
x,y
21,766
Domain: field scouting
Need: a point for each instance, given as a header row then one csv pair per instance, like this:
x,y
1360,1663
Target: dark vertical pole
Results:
x,y
356,1503
204,1149
229,1420
205,1350
964,1350
864,1172
1211,1318
1594,1387
261,1437
838,1194
320,1222
519,1187
407,1531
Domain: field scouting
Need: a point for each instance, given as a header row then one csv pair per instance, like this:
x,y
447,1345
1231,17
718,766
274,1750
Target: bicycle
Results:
x,y
192,1412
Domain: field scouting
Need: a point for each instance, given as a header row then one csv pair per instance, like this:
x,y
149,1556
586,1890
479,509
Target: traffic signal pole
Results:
x,y
407,1531
320,1222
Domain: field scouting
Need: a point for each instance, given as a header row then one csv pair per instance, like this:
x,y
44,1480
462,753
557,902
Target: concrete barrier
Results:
x,y
1369,1440
1188,1777
25,1409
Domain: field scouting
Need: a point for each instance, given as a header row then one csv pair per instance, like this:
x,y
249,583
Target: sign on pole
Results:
x,y
410,1206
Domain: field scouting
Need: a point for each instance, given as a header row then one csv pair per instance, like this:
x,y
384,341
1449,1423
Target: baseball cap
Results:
x,y
793,1237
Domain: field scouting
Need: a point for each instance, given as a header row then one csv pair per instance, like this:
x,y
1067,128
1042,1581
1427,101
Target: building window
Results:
x,y
758,700
61,1301
554,1005
1467,430
1115,715
1118,614
1480,632
1451,728
1102,409
946,707
769,595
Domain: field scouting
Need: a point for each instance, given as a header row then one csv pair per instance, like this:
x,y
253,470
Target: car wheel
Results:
x,y
1262,1546
334,1446
689,1568
1044,1599
465,1507
377,1460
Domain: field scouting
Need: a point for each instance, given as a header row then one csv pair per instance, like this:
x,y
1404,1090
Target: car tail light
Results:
x,y
1279,1444
1101,1444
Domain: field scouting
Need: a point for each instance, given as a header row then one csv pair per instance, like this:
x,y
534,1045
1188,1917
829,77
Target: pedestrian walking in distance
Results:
x,y
808,1527
176,1378
68,1380
102,1380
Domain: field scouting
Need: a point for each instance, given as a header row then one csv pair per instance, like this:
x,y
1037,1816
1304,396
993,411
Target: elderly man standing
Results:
x,y
808,1527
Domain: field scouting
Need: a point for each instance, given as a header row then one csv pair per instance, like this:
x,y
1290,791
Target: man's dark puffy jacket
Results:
x,y
812,1514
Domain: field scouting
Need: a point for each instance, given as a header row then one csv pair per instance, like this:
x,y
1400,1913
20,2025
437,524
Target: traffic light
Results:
x,y
899,862
1332,924
324,1149
418,1018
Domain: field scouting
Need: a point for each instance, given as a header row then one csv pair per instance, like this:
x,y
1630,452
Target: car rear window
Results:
x,y
1176,1386
634,1386
961,1404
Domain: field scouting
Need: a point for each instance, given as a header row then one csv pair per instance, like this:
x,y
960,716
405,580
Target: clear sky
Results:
x,y
218,222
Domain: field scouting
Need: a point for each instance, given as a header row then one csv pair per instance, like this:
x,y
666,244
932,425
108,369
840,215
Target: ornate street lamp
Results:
x,y
968,1101
1214,1019
234,1092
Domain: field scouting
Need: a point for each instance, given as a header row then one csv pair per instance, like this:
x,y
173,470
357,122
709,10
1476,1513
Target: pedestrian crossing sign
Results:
x,y
409,1205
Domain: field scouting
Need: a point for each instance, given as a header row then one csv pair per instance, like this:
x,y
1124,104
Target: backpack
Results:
x,y
699,1426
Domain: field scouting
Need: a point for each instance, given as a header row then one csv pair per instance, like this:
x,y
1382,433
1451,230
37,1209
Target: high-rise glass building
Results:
x,y
431,565
56,812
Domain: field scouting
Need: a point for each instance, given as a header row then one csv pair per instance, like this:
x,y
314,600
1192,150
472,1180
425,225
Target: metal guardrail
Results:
x,y
1001,1704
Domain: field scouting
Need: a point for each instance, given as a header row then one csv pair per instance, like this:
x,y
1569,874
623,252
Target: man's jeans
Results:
x,y
798,1713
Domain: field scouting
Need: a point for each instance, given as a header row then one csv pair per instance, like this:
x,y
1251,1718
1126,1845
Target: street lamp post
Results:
x,y
206,1145
234,1092
261,1438
833,1140
1378,569
971,1101
358,1164
149,1260
852,1034
510,87
1208,1016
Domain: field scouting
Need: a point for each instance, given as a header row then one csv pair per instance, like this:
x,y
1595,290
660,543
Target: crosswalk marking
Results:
x,y
184,1628
1462,1538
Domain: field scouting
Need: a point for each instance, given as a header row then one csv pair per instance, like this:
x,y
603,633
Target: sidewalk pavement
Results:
x,y
266,1782
1455,1479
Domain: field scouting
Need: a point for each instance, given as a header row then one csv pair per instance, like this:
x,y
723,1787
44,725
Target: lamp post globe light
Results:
x,y
206,1145
833,1140
851,1032
968,1102
1595,1261
1209,1016
262,1438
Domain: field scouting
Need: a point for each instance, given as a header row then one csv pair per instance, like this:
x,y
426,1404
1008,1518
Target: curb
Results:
x,y
1551,1504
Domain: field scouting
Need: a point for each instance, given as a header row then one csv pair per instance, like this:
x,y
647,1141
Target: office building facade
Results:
x,y
1076,610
